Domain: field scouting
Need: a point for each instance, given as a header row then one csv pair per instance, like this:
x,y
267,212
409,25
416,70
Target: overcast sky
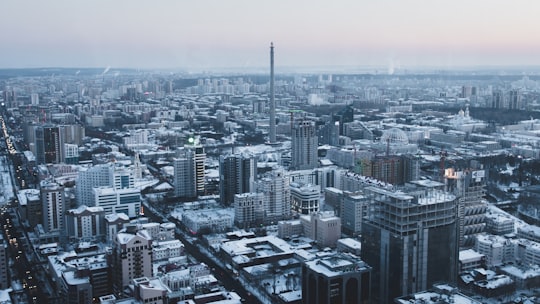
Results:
x,y
236,33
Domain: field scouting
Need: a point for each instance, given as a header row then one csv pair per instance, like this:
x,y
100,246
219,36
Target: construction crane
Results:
x,y
443,155
292,111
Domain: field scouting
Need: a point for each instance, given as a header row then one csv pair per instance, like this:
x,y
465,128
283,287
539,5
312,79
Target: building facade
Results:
x,y
339,279
410,240
86,223
131,257
305,199
237,174
277,195
248,209
322,227
304,144
54,206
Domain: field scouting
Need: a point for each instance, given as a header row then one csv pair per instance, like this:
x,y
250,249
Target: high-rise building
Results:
x,y
54,206
49,144
340,279
31,208
34,98
248,209
96,176
514,100
199,156
85,222
189,177
131,257
237,174
277,195
345,115
468,186
4,266
329,134
497,99
354,207
410,240
304,144
184,177
71,154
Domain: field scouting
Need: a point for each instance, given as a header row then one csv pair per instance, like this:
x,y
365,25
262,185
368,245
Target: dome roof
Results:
x,y
395,136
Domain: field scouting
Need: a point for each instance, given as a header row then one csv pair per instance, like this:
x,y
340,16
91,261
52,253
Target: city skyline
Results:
x,y
236,34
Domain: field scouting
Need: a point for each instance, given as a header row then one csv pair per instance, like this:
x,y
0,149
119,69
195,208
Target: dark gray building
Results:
x,y
338,279
237,174
410,239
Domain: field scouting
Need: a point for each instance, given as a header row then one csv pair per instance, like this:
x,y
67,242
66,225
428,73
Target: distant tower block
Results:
x,y
272,132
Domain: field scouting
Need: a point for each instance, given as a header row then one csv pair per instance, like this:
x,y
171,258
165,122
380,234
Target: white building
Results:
x,y
322,227
470,259
71,154
305,199
127,200
89,178
215,220
497,249
85,222
149,291
136,139
277,195
166,250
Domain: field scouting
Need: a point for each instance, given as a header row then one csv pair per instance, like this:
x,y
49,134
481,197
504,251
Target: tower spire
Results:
x,y
272,132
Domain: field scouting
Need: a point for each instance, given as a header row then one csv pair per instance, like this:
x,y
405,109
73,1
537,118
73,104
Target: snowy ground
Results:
x,y
6,192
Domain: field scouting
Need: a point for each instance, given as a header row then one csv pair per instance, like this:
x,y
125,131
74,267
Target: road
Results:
x,y
225,277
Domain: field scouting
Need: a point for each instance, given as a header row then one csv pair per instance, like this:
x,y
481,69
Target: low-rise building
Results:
x,y
211,220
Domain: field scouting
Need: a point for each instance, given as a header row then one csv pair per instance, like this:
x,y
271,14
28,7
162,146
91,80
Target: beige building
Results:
x,y
131,257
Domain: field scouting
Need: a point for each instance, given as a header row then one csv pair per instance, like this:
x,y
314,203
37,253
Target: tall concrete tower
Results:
x,y
272,133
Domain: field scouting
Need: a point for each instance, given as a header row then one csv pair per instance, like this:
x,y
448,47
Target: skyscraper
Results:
x,y
410,240
49,144
304,144
237,174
